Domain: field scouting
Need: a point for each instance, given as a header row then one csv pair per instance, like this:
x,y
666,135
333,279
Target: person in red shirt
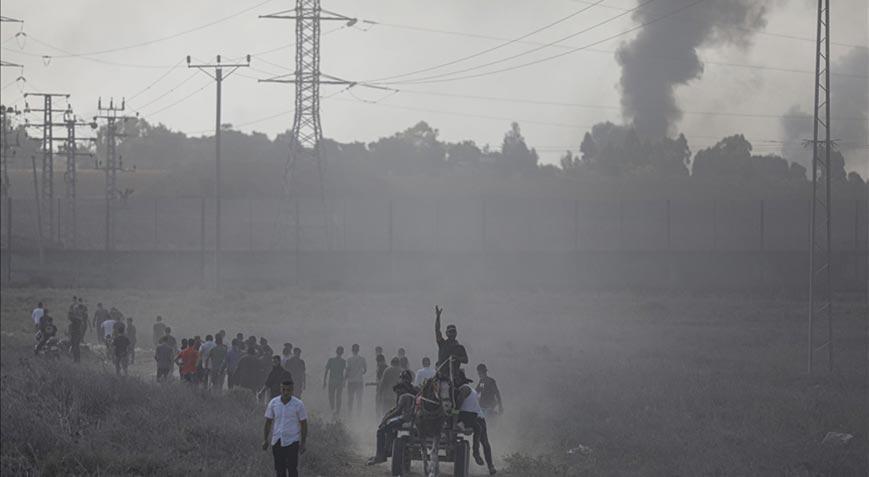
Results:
x,y
187,360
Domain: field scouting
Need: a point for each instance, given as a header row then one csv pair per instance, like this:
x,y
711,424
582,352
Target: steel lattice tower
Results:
x,y
820,252
307,133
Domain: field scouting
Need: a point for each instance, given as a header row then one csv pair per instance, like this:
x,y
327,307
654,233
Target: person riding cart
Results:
x,y
399,415
448,348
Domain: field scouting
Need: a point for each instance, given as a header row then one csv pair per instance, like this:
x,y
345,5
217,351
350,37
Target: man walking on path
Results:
x,y
159,330
296,366
170,340
233,356
356,369
286,431
100,315
132,335
37,314
186,360
204,351
121,344
276,377
163,355
391,377
335,368
247,373
76,334
216,362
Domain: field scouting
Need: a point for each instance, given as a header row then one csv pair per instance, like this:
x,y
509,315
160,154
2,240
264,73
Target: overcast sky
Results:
x,y
583,85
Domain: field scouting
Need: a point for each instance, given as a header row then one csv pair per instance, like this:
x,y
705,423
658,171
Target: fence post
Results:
x,y
714,224
156,208
202,242
483,225
762,225
8,241
390,227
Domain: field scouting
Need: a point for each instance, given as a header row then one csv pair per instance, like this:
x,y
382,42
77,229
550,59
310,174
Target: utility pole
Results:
x,y
307,134
111,115
7,149
820,241
46,196
218,79
70,178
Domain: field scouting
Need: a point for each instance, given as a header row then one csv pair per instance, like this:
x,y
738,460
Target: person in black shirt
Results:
x,y
121,345
490,396
448,347
276,376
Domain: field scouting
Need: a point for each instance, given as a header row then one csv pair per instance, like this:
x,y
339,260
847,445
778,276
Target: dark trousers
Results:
x,y
163,373
481,434
217,379
335,391
286,459
75,349
385,435
354,393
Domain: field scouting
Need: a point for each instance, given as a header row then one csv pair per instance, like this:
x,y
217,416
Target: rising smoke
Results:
x,y
849,103
664,54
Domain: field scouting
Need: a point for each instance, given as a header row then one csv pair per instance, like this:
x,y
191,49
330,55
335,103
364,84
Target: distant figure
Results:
x,y
204,351
216,363
395,418
233,356
107,328
276,376
286,431
100,316
402,354
47,330
404,364
37,314
159,330
490,396
380,360
356,369
296,366
335,373
391,377
248,370
186,361
76,335
132,335
170,340
426,372
121,345
163,355
286,354
264,347
381,368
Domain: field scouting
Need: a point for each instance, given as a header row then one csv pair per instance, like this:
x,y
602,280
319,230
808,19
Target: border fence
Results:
x,y
179,233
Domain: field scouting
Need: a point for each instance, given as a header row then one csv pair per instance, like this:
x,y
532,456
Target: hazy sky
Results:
x,y
583,85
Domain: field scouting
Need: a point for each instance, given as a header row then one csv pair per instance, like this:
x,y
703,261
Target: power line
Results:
x,y
496,47
535,49
154,100
164,38
150,85
179,101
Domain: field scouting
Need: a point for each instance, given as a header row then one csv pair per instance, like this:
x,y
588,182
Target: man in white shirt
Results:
x,y
472,416
426,372
356,369
286,430
204,350
108,328
37,314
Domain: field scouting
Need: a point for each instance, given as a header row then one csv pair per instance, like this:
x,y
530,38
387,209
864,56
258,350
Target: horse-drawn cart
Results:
x,y
454,446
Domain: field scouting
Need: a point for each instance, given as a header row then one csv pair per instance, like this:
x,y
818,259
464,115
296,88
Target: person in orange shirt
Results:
x,y
187,360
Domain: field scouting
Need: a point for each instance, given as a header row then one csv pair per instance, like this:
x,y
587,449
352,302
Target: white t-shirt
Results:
x,y
356,368
286,419
108,328
472,402
37,315
204,349
422,374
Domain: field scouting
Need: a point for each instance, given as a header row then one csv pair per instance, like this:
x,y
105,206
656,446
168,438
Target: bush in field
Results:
x,y
62,419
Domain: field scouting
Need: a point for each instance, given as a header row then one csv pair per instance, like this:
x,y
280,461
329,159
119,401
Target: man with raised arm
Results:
x,y
448,347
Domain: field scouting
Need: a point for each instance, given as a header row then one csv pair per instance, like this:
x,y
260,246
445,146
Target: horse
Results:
x,y
434,406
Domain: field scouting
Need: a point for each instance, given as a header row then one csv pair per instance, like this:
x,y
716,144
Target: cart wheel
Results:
x,y
400,456
462,462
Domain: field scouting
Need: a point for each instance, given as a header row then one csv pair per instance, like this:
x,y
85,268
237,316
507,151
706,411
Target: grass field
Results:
x,y
647,384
